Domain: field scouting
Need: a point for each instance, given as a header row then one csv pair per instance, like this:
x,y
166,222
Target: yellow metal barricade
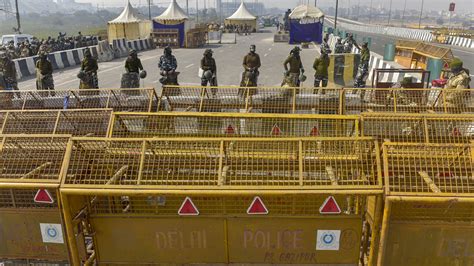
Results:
x,y
315,101
30,218
175,124
232,200
90,122
429,128
429,204
138,100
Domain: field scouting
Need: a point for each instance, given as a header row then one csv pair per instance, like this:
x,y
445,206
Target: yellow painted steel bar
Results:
x,y
210,139
249,191
376,230
70,234
26,185
384,232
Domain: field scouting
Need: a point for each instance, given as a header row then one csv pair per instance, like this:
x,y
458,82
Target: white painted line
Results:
x,y
265,55
269,49
188,66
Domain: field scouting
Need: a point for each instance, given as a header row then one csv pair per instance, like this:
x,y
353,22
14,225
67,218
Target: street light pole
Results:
x,y
421,13
390,12
370,11
197,11
335,17
403,16
187,7
17,17
149,9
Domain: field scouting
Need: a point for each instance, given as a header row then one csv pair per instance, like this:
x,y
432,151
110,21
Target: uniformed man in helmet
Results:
x,y
88,74
209,68
363,68
133,66
44,73
296,66
320,66
338,47
348,43
325,45
168,66
8,71
250,75
458,80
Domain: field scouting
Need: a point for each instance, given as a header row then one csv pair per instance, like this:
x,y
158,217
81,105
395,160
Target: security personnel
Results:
x,y
458,80
8,70
339,47
363,68
348,43
321,75
44,73
251,65
208,65
133,65
296,66
168,66
89,69
325,49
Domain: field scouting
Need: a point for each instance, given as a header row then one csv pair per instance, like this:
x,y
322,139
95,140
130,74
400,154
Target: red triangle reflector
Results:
x,y
276,131
314,132
330,206
257,207
456,132
188,208
230,130
43,196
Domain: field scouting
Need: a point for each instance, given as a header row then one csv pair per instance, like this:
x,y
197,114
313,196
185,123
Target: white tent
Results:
x,y
128,25
307,13
242,16
173,12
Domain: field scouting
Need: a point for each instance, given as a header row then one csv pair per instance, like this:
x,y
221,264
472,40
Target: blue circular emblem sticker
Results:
x,y
52,232
328,238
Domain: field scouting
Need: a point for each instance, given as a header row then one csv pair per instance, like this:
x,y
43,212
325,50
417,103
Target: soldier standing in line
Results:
x,y
363,68
88,73
348,43
458,80
133,66
321,75
339,47
250,75
325,49
209,75
296,66
44,73
8,70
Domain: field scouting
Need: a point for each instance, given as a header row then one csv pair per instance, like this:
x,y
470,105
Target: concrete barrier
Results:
x,y
105,52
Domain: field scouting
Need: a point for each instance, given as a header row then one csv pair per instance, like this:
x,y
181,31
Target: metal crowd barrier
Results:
x,y
314,100
429,208
90,122
138,100
219,200
30,215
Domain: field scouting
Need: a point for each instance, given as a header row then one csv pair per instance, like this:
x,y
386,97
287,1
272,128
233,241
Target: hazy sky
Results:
x,y
464,5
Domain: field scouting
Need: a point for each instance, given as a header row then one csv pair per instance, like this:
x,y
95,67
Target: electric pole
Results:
x,y
197,11
390,12
421,13
187,7
149,9
17,17
403,16
335,17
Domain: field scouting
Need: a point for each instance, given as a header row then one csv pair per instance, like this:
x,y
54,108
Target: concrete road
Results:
x,y
379,41
228,59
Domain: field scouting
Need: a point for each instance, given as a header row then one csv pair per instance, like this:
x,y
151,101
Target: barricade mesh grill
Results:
x,y
74,122
32,158
144,100
24,198
223,163
429,168
247,125
166,205
451,211
316,101
419,128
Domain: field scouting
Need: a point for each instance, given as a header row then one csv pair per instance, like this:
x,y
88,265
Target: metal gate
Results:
x,y
232,200
232,125
429,206
31,225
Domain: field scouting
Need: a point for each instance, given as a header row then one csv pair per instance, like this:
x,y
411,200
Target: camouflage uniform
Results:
x,y
321,65
363,68
458,80
400,96
7,68
338,47
44,74
209,63
131,79
251,62
90,67
296,66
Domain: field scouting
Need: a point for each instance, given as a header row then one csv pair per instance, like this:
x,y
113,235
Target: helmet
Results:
x,y
456,64
297,49
365,44
167,50
42,54
253,48
87,53
142,74
132,52
406,81
207,74
81,75
208,51
302,77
